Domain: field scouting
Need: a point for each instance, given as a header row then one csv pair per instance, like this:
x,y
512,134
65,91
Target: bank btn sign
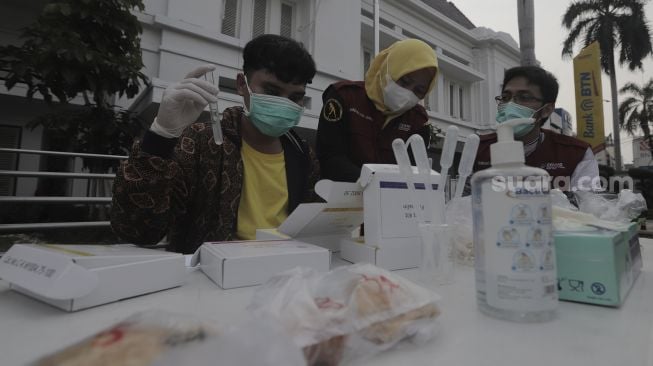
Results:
x,y
589,96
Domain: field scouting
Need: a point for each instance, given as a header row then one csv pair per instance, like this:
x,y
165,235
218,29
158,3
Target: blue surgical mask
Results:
x,y
512,110
272,115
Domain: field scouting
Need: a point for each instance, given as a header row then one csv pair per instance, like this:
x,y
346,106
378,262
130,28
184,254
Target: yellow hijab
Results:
x,y
401,58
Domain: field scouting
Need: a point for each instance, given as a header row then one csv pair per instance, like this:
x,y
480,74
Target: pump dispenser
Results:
x,y
506,150
513,240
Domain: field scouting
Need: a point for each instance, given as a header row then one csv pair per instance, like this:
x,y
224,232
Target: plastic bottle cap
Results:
x,y
506,150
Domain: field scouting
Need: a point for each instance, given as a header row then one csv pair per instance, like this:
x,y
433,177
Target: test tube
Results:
x,y
213,112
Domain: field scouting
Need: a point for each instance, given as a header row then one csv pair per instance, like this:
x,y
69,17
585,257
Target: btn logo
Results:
x,y
332,110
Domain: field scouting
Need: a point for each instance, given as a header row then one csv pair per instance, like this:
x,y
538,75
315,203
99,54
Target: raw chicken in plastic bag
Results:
x,y
159,338
350,312
138,340
624,208
459,216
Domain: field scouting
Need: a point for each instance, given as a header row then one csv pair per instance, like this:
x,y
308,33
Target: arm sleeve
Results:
x,y
586,175
151,190
332,140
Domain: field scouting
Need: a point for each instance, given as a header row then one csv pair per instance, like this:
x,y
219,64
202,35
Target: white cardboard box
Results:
x,y
392,240
74,277
323,224
249,263
390,258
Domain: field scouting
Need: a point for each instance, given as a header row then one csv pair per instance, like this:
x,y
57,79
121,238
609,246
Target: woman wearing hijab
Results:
x,y
360,119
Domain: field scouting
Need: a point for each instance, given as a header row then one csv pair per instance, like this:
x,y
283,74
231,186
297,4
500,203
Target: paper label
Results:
x,y
48,274
520,256
398,214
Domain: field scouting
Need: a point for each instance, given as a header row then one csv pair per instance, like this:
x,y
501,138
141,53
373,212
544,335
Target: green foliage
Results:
x,y
615,24
86,47
636,111
92,130
78,46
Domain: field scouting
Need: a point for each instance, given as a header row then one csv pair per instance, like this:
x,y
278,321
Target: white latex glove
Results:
x,y
183,102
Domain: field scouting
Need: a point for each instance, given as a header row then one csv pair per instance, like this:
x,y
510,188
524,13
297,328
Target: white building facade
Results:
x,y
179,35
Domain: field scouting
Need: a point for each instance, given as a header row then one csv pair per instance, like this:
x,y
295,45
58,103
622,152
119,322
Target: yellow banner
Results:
x,y
589,96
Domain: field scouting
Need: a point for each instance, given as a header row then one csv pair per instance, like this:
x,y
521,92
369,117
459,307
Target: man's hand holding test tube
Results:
x,y
183,102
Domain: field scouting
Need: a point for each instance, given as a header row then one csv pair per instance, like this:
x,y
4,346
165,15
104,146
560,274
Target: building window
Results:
x,y
260,16
461,103
367,59
9,138
387,23
230,18
451,100
308,103
287,20
227,85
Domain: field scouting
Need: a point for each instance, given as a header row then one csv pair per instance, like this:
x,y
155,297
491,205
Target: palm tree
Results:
x,y
525,19
615,24
636,112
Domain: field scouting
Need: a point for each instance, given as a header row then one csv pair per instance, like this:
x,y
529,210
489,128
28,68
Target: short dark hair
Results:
x,y
286,58
538,76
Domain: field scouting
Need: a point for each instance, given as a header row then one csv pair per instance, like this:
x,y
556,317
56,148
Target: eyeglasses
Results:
x,y
519,98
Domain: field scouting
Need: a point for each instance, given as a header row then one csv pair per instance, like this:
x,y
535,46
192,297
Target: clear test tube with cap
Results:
x,y
213,111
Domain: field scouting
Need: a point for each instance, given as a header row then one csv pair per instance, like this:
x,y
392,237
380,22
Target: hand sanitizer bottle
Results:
x,y
513,241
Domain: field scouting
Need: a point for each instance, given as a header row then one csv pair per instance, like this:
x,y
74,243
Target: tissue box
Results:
x,y
598,266
74,277
249,263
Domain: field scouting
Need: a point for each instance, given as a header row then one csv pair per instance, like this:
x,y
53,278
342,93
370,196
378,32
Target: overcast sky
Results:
x,y
501,15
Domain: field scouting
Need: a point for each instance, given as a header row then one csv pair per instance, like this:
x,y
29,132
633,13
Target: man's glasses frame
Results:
x,y
519,98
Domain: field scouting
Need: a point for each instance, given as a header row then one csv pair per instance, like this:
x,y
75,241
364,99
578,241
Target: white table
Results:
x,y
581,335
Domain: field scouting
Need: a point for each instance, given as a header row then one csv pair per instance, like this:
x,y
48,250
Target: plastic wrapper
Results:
x,y
138,340
459,217
350,312
559,199
234,345
157,338
624,208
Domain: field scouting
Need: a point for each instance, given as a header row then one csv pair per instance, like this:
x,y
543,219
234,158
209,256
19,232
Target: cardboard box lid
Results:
x,y
384,171
65,272
259,248
342,212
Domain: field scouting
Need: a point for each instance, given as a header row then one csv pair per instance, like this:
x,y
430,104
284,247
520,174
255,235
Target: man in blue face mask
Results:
x,y
180,182
531,92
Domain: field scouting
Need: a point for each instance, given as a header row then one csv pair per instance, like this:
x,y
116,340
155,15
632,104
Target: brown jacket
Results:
x,y
350,132
557,154
190,189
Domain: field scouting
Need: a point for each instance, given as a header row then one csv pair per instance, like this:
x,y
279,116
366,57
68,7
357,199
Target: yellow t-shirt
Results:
x,y
264,199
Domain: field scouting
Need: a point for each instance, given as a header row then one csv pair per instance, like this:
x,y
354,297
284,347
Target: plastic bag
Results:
x,y
138,340
625,207
158,338
234,346
347,313
459,217
559,199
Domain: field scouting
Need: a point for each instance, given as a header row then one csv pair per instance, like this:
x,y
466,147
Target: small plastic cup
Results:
x,y
438,257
